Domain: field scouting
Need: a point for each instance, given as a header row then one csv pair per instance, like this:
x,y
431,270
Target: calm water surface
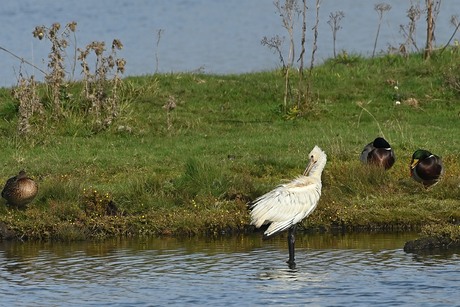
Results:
x,y
340,270
214,36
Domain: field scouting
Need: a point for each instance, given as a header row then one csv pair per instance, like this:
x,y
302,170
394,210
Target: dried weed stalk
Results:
x,y
56,78
296,101
287,12
169,106
159,32
29,102
101,86
313,51
303,40
455,22
432,8
409,31
334,22
380,8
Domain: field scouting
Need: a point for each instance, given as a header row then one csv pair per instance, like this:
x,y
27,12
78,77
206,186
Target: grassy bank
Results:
x,y
192,169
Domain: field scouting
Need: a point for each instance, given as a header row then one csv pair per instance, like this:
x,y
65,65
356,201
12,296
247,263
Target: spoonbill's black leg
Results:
x,y
291,242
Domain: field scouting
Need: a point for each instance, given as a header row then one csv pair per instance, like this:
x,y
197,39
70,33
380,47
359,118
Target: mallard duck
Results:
x,y
20,190
426,168
378,152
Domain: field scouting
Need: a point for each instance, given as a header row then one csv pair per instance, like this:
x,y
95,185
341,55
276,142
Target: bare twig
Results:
x,y
274,44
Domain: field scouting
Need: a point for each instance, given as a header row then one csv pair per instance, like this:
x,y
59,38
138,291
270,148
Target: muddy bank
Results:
x,y
428,244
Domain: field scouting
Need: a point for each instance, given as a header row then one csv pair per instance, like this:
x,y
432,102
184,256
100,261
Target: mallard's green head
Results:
x,y
419,154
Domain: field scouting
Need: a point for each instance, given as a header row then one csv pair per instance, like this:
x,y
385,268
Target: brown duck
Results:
x,y
20,190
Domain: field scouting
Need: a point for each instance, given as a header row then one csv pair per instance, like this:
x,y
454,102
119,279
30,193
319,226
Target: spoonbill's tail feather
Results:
x,y
276,228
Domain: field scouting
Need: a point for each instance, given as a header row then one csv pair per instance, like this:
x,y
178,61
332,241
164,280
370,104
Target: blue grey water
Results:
x,y
213,36
332,270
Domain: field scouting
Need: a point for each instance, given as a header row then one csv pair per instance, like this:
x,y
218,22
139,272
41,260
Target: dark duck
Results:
x,y
378,152
426,167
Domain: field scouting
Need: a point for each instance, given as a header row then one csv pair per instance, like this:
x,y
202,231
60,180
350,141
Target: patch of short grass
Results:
x,y
194,169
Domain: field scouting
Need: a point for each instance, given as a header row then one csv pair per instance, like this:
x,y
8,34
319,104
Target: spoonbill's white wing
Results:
x,y
286,205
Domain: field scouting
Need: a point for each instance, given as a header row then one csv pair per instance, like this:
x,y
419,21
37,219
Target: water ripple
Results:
x,y
243,271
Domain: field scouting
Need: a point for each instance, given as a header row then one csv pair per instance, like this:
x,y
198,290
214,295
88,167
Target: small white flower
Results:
x,y
396,88
397,102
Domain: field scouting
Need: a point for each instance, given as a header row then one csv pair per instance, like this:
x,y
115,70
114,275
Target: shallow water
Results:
x,y
213,36
332,270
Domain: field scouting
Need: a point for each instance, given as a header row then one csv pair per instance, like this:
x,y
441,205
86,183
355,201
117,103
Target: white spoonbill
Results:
x,y
288,204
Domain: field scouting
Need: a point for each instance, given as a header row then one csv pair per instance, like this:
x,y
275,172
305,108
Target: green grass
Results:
x,y
229,143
